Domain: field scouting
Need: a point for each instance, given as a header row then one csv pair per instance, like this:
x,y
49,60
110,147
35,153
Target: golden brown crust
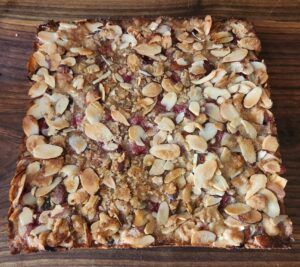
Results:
x,y
148,133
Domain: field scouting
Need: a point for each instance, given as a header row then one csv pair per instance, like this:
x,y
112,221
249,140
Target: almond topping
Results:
x,y
33,141
221,52
237,209
247,149
78,143
42,191
219,183
94,112
169,100
149,50
249,43
119,117
202,237
133,62
38,89
236,55
270,143
252,98
162,213
204,172
250,129
46,151
165,151
157,167
206,78
61,105
194,107
137,133
152,89
26,216
89,181
250,217
71,184
272,208
228,112
98,132
30,125
197,143
166,124
257,182
174,174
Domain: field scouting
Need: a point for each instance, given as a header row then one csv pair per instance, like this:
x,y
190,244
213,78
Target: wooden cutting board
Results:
x,y
277,25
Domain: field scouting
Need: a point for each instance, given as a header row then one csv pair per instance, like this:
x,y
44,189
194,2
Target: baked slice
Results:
x,y
148,133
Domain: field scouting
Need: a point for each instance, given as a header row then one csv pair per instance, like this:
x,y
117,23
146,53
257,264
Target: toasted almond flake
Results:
x,y
152,89
278,180
78,82
33,141
53,166
38,89
236,55
57,124
109,182
202,237
194,107
270,143
46,151
81,51
272,208
69,61
90,181
168,85
78,143
197,143
140,218
237,209
249,128
174,174
133,62
93,26
206,78
204,172
42,191
119,117
165,151
162,213
157,167
222,37
228,112
94,112
271,166
208,131
197,68
141,242
207,24
98,132
209,200
66,26
215,93
71,184
250,217
137,133
219,183
26,216
257,182
252,98
149,50
213,111
247,149
61,105
221,52
250,43
169,100
45,36
166,124
70,170
30,126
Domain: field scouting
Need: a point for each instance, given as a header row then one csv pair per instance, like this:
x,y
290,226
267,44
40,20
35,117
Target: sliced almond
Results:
x,y
98,132
250,217
38,89
119,117
221,52
33,141
137,133
157,167
140,218
250,43
149,50
93,26
204,172
236,55
206,78
162,213
90,181
213,111
71,184
46,151
53,166
247,149
30,126
271,166
168,85
257,182
45,36
166,124
209,131
202,237
152,89
94,112
61,105
78,143
222,37
69,61
133,62
196,142
81,51
250,129
194,107
237,209
270,143
209,200
26,216
169,100
42,191
252,98
174,174
57,123
219,183
109,182
165,151
141,242
272,208
228,112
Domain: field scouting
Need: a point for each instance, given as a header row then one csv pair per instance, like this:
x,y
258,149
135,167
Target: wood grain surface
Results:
x,y
277,25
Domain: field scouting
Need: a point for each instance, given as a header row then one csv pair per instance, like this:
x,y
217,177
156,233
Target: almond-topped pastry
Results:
x,y
148,133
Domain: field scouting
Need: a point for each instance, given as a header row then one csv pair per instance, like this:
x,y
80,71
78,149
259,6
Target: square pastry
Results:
x,y
146,133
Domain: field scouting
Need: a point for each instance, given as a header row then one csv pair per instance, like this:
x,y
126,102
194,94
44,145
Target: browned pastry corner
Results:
x,y
148,133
